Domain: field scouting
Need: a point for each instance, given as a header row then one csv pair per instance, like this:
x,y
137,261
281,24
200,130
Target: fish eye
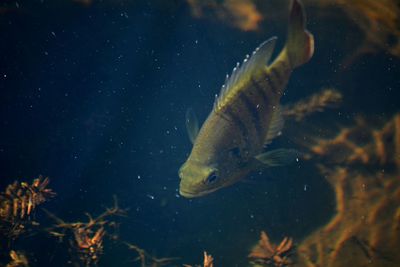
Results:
x,y
211,178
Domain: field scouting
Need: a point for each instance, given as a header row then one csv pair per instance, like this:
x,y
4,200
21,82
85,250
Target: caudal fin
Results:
x,y
300,43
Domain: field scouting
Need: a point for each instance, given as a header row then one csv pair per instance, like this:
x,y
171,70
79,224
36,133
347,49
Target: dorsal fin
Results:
x,y
275,126
260,57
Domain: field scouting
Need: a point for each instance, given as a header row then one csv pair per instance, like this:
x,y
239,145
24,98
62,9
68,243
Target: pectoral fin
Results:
x,y
192,125
278,157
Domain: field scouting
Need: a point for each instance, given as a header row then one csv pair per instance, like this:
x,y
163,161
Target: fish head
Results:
x,y
199,178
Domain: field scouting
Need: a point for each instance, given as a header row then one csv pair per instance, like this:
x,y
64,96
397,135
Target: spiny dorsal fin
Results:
x,y
275,126
260,57
192,125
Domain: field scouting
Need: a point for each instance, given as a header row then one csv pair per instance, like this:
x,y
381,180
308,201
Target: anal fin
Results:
x,y
275,126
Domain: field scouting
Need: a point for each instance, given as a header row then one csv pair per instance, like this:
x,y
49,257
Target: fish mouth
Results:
x,y
188,194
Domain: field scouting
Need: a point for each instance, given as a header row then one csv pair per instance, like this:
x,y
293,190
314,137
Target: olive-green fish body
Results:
x,y
246,116
243,119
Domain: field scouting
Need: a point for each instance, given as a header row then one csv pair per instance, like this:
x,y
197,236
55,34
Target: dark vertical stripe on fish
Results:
x,y
271,83
285,66
253,111
224,116
236,119
277,77
275,73
259,90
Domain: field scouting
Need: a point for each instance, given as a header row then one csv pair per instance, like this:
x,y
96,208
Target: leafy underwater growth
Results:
x,y
148,260
266,253
317,102
208,261
18,259
238,14
86,238
18,202
378,20
362,164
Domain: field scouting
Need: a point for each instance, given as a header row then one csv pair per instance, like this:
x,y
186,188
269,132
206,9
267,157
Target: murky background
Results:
x,y
93,94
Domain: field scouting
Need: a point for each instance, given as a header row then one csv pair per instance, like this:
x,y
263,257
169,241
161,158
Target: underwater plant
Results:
x,y
326,98
377,20
243,15
18,259
86,238
208,261
361,162
147,260
266,253
18,202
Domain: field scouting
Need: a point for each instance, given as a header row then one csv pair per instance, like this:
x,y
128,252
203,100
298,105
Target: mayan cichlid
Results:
x,y
246,116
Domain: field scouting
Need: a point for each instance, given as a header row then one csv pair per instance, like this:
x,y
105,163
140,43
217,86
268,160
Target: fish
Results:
x,y
246,115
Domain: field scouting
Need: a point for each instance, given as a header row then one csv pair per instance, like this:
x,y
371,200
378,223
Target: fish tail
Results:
x,y
300,43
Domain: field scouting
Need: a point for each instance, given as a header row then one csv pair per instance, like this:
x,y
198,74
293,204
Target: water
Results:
x,y
94,96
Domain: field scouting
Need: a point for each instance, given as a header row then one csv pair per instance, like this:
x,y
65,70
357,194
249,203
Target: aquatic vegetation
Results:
x,y
18,202
266,253
359,144
113,48
147,260
208,261
239,14
327,98
18,259
362,165
378,21
86,238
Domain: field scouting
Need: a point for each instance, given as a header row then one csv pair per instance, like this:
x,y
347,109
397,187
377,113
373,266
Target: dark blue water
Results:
x,y
95,98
